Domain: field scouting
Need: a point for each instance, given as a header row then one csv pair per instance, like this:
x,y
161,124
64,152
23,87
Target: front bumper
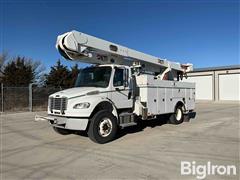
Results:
x,y
65,122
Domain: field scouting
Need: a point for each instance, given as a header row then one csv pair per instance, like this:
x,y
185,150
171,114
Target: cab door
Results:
x,y
121,88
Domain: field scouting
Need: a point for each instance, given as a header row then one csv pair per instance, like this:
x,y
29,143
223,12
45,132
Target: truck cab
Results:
x,y
97,88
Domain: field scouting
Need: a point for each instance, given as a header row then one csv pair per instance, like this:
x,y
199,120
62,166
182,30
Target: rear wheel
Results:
x,y
103,127
177,117
61,131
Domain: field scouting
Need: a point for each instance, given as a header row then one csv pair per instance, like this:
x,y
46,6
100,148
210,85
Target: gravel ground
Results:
x,y
32,150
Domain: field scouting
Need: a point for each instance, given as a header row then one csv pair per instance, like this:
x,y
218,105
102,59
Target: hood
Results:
x,y
77,91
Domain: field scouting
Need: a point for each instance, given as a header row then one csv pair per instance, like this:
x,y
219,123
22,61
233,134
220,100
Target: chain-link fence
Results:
x,y
30,98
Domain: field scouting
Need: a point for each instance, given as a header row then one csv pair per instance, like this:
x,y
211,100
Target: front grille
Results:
x,y
58,103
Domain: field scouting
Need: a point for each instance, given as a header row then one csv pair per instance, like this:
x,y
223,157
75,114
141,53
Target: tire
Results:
x,y
177,117
61,131
103,127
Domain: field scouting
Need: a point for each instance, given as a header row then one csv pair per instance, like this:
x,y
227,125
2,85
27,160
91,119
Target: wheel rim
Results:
x,y
178,114
105,127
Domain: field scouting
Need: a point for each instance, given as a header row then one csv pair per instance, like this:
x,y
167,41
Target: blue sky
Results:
x,y
205,34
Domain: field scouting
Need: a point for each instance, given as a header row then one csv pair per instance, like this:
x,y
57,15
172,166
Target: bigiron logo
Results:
x,y
201,171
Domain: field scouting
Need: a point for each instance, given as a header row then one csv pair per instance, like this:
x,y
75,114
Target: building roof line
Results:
x,y
218,68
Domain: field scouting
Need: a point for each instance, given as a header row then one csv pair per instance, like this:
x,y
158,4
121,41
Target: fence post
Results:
x,y
2,97
30,97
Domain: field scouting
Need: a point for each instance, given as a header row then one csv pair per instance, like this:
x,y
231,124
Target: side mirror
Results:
x,y
132,88
125,78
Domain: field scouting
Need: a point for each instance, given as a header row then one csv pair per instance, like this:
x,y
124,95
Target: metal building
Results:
x,y
216,83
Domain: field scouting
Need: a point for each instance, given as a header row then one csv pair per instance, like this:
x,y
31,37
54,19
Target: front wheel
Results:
x,y
177,117
103,127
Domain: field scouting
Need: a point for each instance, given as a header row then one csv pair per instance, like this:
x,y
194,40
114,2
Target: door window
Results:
x,y
118,77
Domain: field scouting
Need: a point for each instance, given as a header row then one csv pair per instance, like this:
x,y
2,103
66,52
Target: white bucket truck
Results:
x,y
124,86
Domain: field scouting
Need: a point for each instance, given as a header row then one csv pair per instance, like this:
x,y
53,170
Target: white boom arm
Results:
x,y
85,48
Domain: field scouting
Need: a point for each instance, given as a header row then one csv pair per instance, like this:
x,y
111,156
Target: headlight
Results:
x,y
83,105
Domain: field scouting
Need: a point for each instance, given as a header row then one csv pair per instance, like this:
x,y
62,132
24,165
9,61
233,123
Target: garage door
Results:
x,y
204,86
229,87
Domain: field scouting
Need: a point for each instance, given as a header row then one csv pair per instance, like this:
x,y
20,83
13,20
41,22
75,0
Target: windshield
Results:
x,y
94,77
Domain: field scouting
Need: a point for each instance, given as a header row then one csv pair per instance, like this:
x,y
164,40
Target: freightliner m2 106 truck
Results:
x,y
123,87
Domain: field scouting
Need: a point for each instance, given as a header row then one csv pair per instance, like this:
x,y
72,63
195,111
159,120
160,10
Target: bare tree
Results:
x,y
3,59
38,69
13,70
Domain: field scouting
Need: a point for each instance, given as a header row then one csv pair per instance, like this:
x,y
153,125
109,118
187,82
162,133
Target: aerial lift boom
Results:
x,y
78,46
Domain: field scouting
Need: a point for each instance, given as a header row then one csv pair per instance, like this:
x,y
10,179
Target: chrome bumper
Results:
x,y
64,122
